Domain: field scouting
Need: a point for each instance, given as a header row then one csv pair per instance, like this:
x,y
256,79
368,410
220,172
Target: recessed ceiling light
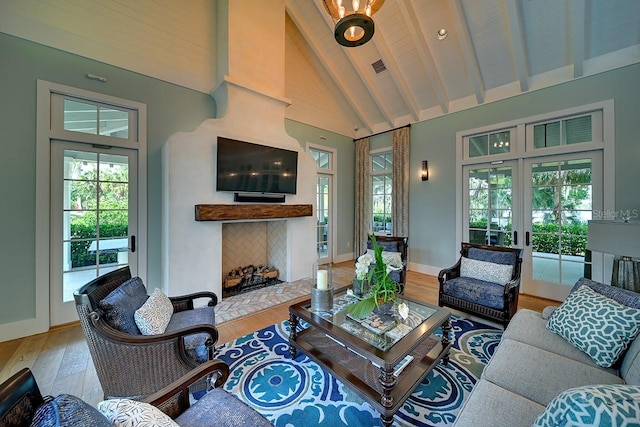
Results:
x,y
442,34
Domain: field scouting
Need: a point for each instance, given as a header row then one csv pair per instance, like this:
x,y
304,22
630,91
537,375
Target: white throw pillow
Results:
x,y
388,257
487,271
154,315
130,413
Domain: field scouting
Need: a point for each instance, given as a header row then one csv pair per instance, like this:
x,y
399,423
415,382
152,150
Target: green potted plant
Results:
x,y
382,290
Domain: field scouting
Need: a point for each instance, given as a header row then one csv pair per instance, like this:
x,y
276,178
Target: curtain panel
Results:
x,y
401,145
364,210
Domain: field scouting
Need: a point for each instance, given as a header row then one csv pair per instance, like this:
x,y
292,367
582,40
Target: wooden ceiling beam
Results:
x,y
518,43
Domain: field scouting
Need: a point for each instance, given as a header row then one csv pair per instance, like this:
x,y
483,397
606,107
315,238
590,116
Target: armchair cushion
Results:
x,y
67,411
486,271
195,343
131,413
154,315
120,305
497,257
478,291
220,408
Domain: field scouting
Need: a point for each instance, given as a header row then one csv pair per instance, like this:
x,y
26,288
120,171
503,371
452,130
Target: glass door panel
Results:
x,y
323,216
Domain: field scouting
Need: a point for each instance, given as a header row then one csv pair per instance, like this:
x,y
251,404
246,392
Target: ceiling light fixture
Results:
x,y
354,26
442,34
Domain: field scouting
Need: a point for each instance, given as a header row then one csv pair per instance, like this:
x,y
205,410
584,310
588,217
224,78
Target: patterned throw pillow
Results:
x,y
487,271
154,315
66,410
597,325
130,413
595,405
389,258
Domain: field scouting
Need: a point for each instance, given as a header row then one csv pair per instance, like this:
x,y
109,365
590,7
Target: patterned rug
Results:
x,y
298,392
260,299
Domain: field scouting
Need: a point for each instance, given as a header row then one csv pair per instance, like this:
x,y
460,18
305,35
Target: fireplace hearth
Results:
x,y
248,278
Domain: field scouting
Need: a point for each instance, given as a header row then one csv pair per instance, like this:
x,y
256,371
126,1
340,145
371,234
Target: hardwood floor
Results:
x,y
61,362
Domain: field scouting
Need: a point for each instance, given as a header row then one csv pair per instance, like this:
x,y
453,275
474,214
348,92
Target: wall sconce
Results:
x,y
424,173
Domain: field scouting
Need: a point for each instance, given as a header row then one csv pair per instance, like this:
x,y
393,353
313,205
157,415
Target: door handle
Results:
x,y
133,243
526,238
515,238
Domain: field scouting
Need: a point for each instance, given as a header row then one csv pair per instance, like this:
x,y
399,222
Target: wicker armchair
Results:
x,y
467,291
135,366
394,244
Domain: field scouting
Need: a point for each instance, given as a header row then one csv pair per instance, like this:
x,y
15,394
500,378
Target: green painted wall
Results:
x,y
170,109
345,186
433,203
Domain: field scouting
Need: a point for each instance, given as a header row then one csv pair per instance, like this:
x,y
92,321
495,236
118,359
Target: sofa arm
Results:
x,y
173,399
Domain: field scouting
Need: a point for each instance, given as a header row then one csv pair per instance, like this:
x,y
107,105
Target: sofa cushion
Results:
x,y
493,406
131,413
599,326
194,344
120,305
623,296
388,257
596,405
477,291
219,408
154,315
630,366
540,375
530,327
67,411
498,257
487,271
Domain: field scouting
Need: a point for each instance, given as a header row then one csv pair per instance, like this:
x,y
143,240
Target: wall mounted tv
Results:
x,y
252,168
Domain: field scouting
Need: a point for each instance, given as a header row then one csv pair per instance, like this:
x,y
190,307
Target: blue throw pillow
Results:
x,y
597,325
121,304
595,405
68,411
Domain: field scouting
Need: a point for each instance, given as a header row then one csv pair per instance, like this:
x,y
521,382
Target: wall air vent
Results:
x,y
379,66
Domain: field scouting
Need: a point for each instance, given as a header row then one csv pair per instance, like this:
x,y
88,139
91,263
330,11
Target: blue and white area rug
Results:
x,y
292,393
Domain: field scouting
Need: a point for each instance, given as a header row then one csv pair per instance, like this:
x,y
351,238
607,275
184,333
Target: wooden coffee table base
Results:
x,y
376,385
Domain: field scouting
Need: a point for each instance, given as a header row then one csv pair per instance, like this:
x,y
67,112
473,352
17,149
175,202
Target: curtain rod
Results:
x,y
380,133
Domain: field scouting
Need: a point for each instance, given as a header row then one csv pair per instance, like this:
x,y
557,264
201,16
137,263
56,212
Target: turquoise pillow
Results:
x,y
597,325
595,405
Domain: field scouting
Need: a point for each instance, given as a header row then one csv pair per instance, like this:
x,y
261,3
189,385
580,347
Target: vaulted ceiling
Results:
x,y
494,49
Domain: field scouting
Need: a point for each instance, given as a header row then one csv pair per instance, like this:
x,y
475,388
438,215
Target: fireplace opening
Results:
x,y
249,278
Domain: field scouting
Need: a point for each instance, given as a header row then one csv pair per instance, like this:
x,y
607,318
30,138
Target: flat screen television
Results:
x,y
244,167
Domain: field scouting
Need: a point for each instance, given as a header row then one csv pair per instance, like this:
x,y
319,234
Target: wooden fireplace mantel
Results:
x,y
250,211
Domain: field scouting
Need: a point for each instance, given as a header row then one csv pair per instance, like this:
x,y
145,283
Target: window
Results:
x,y
580,129
324,198
382,178
490,143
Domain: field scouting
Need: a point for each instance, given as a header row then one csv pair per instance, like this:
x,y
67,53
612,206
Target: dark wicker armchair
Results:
x,y
468,287
135,366
394,244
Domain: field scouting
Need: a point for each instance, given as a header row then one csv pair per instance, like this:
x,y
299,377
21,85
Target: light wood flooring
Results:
x,y
61,362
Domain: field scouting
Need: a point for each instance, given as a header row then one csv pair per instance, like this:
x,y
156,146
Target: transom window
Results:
x,y
490,143
567,131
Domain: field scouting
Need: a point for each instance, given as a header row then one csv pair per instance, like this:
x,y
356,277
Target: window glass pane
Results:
x,y
323,161
114,168
478,146
114,122
378,184
577,130
499,142
80,117
546,135
378,162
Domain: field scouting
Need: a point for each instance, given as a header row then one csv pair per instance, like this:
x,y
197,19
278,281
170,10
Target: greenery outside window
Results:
x,y
382,178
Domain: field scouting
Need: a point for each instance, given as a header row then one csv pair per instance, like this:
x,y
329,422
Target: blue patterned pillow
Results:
x,y
68,411
120,305
597,325
596,405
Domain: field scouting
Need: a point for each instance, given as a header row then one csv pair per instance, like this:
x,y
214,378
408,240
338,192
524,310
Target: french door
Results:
x,y
561,195
540,204
93,218
323,212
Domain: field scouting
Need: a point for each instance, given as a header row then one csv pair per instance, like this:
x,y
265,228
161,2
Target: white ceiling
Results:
x,y
495,49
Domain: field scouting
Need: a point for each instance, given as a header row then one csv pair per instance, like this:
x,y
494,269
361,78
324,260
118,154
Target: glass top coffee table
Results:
x,y
384,357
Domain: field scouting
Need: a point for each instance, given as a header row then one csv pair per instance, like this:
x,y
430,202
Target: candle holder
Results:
x,y
322,292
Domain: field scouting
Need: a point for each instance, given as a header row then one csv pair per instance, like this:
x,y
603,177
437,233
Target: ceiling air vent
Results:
x,y
378,66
